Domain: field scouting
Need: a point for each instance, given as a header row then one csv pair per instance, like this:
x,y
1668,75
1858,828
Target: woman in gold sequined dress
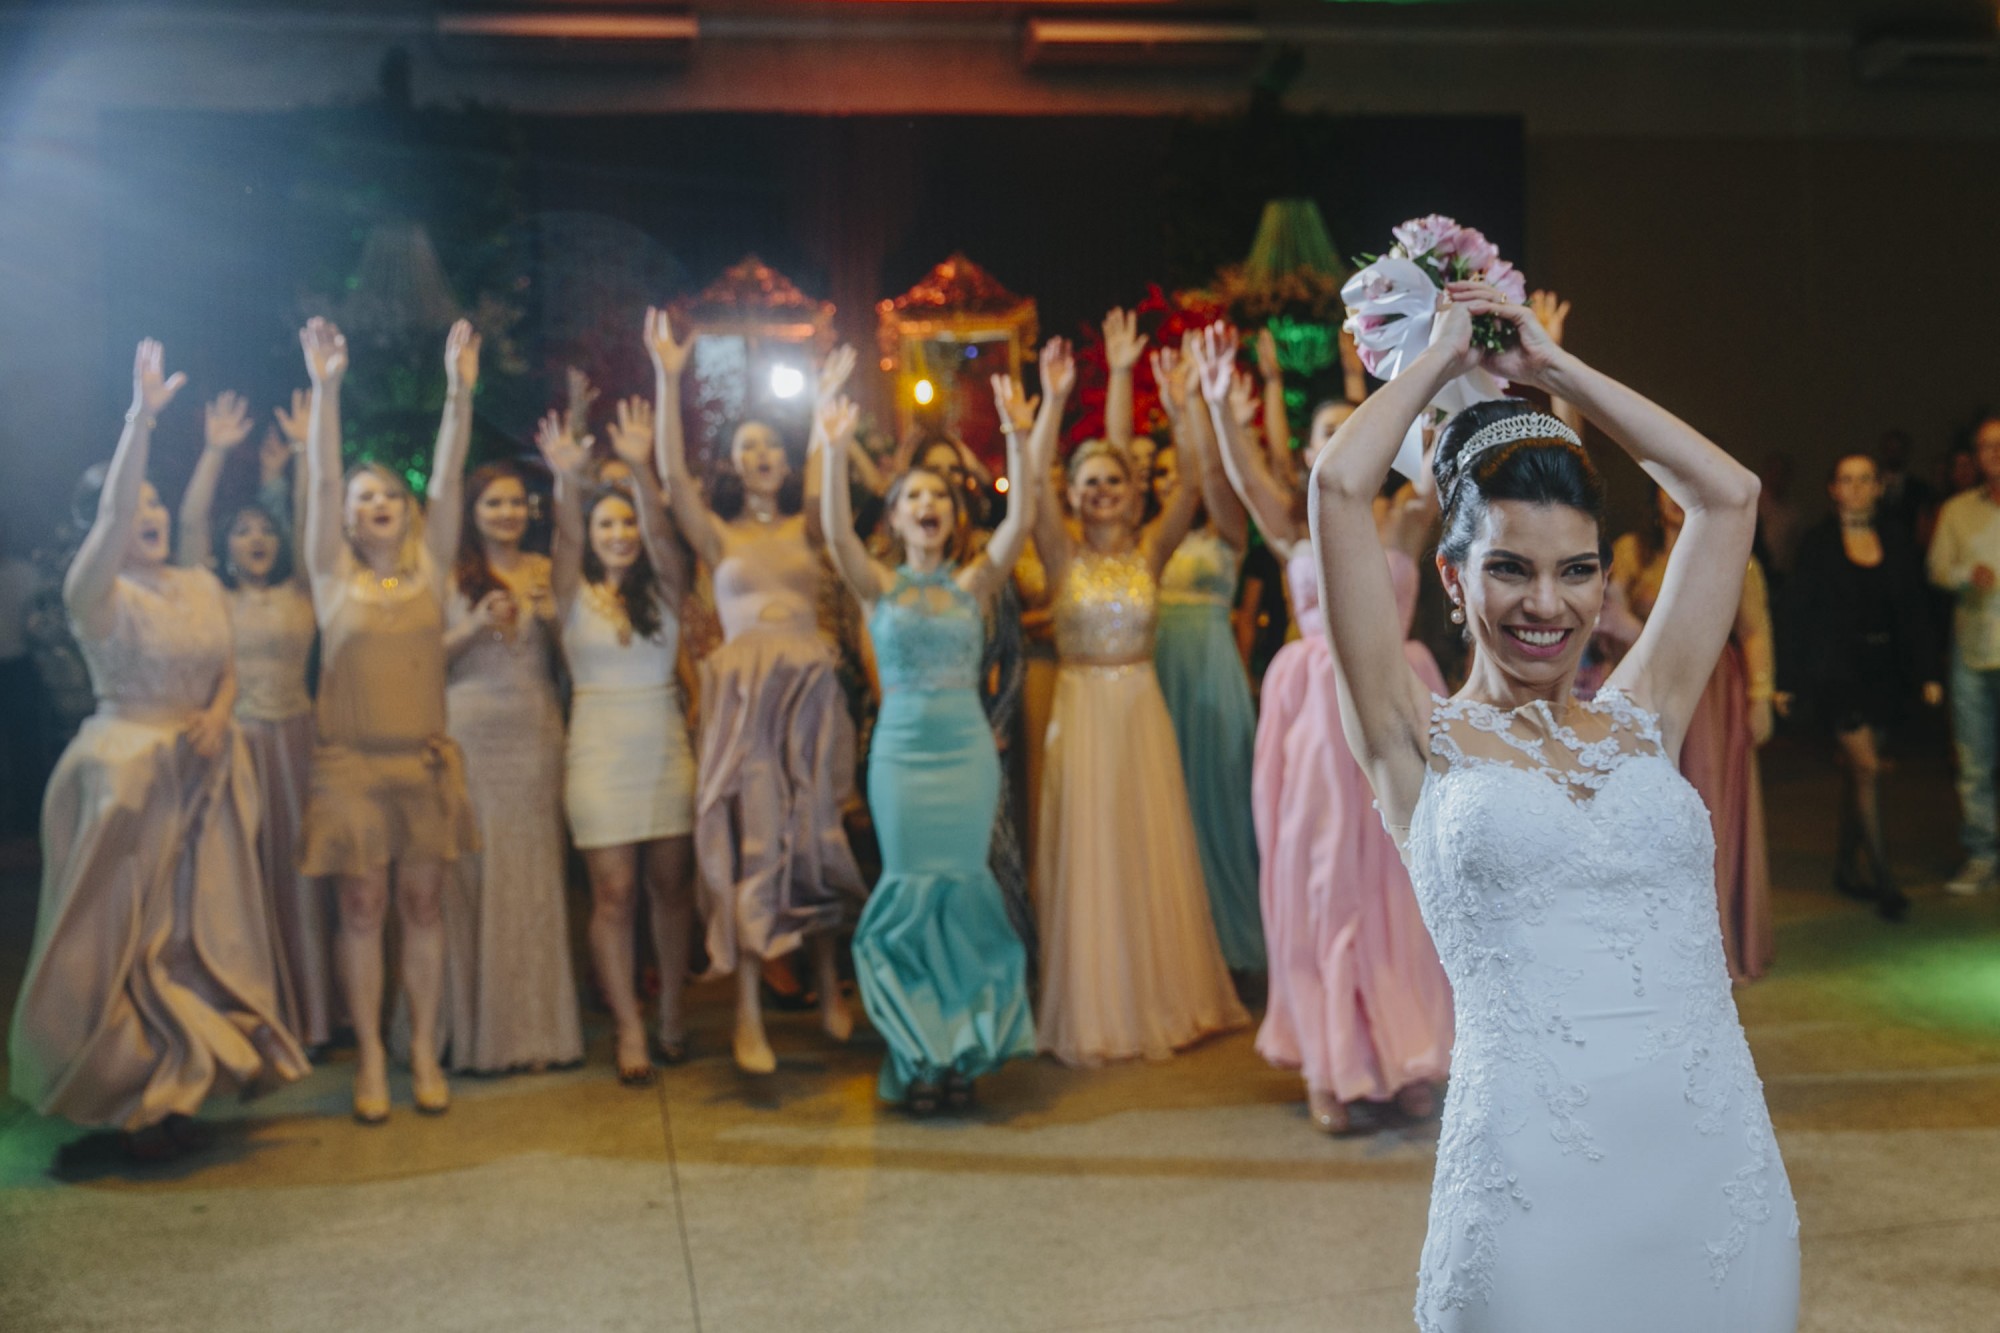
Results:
x,y
1130,961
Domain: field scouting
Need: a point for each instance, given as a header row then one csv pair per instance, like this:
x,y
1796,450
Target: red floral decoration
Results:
x,y
1163,318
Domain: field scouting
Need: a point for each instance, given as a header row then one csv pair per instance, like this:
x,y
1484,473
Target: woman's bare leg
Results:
x,y
420,912
668,867
834,1016
364,904
614,884
752,1047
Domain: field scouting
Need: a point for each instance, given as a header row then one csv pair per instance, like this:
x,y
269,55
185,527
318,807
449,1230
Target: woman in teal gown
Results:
x,y
1203,678
942,973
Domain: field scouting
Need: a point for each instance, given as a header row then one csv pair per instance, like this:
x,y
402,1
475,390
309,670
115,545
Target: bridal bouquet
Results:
x,y
1392,306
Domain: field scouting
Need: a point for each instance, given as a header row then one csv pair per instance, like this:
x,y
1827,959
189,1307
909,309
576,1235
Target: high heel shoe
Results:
x,y
430,1092
1417,1100
1328,1115
958,1093
921,1100
371,1110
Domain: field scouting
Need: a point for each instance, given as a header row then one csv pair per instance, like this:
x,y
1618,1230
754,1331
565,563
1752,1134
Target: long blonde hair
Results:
x,y
409,557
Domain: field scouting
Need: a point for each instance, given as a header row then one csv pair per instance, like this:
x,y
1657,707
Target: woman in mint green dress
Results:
x,y
942,973
1203,678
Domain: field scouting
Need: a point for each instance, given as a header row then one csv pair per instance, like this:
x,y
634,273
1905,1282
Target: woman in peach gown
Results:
x,y
153,980
777,744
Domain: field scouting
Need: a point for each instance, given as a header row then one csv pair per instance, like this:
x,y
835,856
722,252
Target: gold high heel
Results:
x,y
430,1092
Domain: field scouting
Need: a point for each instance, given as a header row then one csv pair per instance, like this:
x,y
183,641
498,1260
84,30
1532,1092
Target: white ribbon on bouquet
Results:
x,y
1392,313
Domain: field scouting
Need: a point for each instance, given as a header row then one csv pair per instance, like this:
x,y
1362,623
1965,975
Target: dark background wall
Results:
x,y
1792,255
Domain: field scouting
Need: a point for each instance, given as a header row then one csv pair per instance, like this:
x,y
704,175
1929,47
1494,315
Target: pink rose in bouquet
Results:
x,y
1510,280
1429,252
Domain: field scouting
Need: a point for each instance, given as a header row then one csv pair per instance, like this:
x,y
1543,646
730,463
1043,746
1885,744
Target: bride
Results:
x,y
1606,1160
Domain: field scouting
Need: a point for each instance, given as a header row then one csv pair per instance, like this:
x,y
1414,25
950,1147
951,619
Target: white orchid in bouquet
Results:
x,y
1428,253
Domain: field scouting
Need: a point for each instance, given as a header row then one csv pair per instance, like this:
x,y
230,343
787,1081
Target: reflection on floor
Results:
x,y
1182,1196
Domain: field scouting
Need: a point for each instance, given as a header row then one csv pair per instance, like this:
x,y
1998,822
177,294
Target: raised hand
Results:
x,y
1243,399
833,373
1016,408
1123,342
1058,369
1167,367
152,388
566,455
1531,355
226,422
326,352
272,455
1552,311
838,418
670,356
582,394
632,432
1215,361
461,358
1267,355
293,424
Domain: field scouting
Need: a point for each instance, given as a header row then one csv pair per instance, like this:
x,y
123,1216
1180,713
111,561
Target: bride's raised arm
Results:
x,y
1668,668
1384,706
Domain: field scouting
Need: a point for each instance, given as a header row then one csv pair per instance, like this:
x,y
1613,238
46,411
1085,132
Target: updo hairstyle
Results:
x,y
1546,470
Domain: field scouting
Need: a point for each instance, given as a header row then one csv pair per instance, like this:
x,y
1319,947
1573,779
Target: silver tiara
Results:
x,y
1512,430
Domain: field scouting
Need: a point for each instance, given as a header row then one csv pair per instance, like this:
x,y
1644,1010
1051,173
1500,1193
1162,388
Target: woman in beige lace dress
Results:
x,y
510,994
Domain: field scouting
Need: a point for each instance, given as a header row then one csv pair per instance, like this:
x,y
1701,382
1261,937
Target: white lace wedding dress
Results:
x,y
1606,1161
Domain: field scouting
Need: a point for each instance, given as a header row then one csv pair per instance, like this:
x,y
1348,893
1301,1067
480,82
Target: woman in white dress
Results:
x,y
629,772
1607,1160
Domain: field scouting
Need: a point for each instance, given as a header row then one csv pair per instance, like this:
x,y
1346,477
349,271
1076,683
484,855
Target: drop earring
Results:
x,y
1457,614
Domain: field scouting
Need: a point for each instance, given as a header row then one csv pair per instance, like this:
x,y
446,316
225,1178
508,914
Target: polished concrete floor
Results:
x,y
1182,1196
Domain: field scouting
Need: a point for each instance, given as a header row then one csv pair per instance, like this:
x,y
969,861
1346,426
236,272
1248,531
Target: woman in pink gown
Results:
x,y
1358,1001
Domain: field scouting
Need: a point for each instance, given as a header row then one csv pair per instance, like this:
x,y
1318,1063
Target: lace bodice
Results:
x,y
768,578
168,646
598,660
1565,870
1202,571
928,633
274,636
1107,609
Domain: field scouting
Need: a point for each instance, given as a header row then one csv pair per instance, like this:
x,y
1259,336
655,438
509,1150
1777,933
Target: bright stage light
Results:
x,y
787,381
1000,485
924,392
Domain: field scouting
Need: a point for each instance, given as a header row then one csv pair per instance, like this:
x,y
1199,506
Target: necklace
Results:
x,y
605,600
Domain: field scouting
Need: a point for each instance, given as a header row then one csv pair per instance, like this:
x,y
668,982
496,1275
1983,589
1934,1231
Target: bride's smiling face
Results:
x,y
1531,588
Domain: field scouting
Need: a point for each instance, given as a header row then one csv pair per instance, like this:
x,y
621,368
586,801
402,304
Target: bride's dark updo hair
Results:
x,y
1547,470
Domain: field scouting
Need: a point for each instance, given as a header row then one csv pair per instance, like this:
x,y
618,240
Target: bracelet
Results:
x,y
135,415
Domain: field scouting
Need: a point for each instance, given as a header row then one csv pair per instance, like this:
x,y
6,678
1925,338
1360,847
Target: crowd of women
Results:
x,y
224,842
